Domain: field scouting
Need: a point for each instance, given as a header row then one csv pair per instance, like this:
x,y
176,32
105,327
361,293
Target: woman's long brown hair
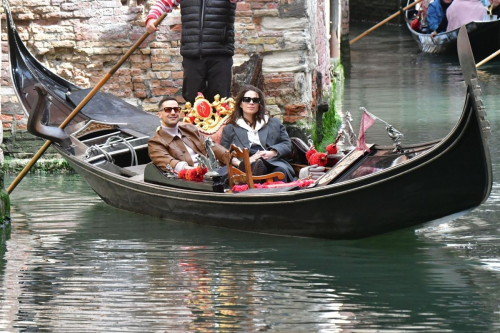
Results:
x,y
238,112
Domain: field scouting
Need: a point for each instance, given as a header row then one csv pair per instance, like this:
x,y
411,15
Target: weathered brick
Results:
x,y
6,117
165,91
177,75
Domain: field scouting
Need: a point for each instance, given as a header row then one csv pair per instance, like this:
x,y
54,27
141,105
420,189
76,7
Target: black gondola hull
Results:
x,y
438,184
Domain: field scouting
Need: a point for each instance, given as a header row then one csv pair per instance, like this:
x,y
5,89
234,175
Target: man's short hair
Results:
x,y
166,99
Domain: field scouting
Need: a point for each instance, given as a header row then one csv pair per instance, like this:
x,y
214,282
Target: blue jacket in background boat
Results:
x,y
435,15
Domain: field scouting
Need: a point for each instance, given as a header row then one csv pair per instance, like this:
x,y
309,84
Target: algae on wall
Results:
x,y
331,120
49,165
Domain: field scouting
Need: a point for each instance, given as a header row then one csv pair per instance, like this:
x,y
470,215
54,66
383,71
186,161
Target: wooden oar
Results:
x,y
383,22
482,62
81,105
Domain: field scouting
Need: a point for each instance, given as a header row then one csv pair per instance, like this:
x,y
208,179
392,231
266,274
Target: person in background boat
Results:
x,y
419,23
494,8
249,126
462,12
178,144
207,44
436,16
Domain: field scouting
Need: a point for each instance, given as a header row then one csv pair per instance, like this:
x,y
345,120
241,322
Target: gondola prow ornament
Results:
x,y
393,133
211,161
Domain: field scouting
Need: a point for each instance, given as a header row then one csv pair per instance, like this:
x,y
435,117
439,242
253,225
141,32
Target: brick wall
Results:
x,y
81,40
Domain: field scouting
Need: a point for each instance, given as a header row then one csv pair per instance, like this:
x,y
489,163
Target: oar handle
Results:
x,y
383,22
80,106
485,60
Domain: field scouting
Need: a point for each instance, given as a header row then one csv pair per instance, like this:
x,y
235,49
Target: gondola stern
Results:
x,y
468,66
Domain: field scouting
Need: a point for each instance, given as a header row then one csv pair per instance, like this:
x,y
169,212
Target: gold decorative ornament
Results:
x,y
208,117
94,126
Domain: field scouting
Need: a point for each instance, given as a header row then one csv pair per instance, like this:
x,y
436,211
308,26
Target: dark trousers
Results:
x,y
209,75
270,168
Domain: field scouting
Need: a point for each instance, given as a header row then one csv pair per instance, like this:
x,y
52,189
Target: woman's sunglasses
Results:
x,y
169,109
256,100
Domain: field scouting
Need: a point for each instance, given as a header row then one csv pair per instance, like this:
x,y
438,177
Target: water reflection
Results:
x,y
72,263
99,268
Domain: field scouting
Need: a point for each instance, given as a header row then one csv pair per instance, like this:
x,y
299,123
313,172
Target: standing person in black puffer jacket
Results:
x,y
207,44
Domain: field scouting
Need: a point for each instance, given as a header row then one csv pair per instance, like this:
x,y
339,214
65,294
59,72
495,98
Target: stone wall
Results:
x,y
81,40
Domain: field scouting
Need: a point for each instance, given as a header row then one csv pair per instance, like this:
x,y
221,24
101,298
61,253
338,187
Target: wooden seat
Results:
x,y
236,176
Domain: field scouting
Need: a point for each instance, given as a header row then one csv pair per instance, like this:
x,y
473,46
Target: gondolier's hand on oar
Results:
x,y
150,26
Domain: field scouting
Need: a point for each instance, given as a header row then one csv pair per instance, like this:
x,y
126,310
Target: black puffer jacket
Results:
x,y
207,28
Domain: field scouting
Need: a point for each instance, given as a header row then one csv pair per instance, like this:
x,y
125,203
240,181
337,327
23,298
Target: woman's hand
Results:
x,y
265,154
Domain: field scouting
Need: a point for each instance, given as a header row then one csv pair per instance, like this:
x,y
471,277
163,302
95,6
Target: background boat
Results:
x,y
484,37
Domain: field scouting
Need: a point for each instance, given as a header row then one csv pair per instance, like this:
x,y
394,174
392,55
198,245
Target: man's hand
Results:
x,y
150,26
433,34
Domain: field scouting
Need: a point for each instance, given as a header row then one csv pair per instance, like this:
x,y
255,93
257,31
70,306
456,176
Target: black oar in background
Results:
x,y
81,105
383,22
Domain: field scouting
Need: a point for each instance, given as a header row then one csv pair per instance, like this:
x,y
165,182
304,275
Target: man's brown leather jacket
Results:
x,y
167,150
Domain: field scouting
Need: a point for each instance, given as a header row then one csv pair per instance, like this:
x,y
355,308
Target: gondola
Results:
x,y
365,194
484,37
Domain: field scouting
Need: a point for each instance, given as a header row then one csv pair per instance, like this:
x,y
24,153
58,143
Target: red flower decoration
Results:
x,y
195,174
319,159
309,153
182,174
201,171
332,149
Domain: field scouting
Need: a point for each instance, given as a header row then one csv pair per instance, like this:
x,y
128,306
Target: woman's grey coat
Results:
x,y
272,136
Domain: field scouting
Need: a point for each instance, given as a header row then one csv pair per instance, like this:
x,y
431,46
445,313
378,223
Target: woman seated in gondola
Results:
x,y
266,138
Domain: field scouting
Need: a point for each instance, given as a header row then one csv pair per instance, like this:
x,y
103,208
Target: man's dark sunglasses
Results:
x,y
256,100
169,109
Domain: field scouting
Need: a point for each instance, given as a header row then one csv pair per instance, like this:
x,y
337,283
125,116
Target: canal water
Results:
x,y
73,264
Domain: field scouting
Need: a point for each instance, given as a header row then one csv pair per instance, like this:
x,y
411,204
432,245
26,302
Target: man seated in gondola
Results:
x,y
177,144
